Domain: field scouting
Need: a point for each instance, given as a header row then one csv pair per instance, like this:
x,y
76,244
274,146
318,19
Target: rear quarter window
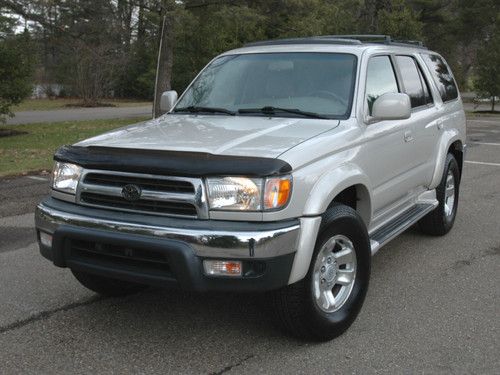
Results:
x,y
411,80
442,76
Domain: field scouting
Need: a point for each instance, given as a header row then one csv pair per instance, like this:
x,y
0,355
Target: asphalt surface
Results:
x,y
432,306
78,114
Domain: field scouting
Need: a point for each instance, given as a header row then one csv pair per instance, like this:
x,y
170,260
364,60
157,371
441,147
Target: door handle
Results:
x,y
408,136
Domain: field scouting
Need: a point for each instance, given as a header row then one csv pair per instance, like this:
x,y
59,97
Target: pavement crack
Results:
x,y
47,314
474,257
230,367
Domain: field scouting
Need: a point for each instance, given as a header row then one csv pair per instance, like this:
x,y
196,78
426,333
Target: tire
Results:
x,y
441,219
106,286
296,308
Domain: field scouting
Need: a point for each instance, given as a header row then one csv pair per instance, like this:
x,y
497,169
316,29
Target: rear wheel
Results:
x,y
325,303
107,286
441,220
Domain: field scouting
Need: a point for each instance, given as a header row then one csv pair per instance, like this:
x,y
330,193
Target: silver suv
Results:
x,y
283,167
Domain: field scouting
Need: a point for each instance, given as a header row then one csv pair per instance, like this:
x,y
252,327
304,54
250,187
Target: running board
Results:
x,y
398,225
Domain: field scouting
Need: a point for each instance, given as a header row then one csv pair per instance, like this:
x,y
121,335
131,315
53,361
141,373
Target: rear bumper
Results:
x,y
166,251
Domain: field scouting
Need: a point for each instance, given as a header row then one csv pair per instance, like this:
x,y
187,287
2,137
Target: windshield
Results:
x,y
317,83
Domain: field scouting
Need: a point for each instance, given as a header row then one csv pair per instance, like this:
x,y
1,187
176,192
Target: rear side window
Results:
x,y
412,83
442,77
427,92
380,79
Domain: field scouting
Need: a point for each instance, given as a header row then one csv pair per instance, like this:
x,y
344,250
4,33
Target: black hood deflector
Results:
x,y
173,163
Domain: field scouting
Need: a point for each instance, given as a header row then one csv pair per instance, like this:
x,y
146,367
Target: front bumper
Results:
x,y
165,251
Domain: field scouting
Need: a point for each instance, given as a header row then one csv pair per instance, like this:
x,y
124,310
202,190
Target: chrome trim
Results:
x,y
206,243
198,199
63,196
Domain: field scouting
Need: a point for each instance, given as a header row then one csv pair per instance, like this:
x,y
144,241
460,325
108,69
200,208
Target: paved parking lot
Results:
x,y
432,307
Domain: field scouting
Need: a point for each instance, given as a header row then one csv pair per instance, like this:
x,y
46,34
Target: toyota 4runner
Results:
x,y
283,167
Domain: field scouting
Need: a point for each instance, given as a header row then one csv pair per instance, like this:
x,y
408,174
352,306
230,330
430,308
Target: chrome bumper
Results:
x,y
250,243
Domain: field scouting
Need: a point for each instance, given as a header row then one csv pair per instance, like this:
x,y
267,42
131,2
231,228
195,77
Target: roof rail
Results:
x,y
364,37
326,39
341,39
385,39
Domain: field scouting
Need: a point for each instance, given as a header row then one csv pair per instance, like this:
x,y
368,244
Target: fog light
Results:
x,y
222,267
46,239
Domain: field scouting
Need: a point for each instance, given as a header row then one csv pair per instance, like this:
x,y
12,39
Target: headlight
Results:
x,y
235,193
248,194
65,177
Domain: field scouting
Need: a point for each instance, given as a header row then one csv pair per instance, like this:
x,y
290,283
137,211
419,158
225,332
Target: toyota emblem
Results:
x,y
131,192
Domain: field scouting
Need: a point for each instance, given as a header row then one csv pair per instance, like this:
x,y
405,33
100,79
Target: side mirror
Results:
x,y
391,106
168,99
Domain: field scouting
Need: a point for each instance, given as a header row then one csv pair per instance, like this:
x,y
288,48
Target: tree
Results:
x,y
111,47
488,68
16,70
399,20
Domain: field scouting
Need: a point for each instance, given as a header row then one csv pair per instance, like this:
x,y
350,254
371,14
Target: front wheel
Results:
x,y
325,303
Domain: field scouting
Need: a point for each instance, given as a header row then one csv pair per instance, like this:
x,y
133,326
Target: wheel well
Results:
x,y
358,198
456,150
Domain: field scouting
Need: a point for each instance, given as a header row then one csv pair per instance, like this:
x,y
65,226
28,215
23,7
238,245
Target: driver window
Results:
x,y
380,79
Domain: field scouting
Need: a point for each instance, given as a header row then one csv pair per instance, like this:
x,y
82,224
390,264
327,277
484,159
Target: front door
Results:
x,y
387,157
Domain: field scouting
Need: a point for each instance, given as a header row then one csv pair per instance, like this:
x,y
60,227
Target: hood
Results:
x,y
218,135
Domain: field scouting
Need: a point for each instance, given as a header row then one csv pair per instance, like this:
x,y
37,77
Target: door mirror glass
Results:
x,y
391,106
168,99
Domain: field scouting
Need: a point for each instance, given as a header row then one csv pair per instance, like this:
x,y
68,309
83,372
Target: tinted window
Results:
x,y
380,79
411,80
442,76
425,84
315,82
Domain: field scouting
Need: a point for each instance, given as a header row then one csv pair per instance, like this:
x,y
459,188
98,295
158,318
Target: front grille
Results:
x,y
120,257
160,195
173,208
172,186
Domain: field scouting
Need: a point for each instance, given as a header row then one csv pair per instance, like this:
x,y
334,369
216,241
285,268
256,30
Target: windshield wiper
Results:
x,y
269,110
197,109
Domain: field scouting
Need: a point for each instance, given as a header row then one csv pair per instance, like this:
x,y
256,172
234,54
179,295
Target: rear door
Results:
x,y
448,104
423,123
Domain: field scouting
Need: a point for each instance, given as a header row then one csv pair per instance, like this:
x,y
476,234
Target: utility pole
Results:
x,y
165,55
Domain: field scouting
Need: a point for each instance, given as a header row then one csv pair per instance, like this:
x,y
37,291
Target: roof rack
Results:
x,y
386,39
326,39
341,39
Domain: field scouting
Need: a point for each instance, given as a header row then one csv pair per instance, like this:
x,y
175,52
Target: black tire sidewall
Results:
x,y
451,164
351,226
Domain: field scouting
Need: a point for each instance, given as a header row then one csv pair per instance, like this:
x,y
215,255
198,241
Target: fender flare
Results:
x,y
330,184
448,138
322,194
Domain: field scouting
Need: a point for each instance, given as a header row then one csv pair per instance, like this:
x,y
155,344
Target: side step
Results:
x,y
398,225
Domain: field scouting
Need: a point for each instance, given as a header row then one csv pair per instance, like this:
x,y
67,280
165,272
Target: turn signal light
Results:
x,y
277,192
222,267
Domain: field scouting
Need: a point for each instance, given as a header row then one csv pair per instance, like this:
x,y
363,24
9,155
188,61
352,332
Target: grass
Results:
x,y
33,151
482,113
65,103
